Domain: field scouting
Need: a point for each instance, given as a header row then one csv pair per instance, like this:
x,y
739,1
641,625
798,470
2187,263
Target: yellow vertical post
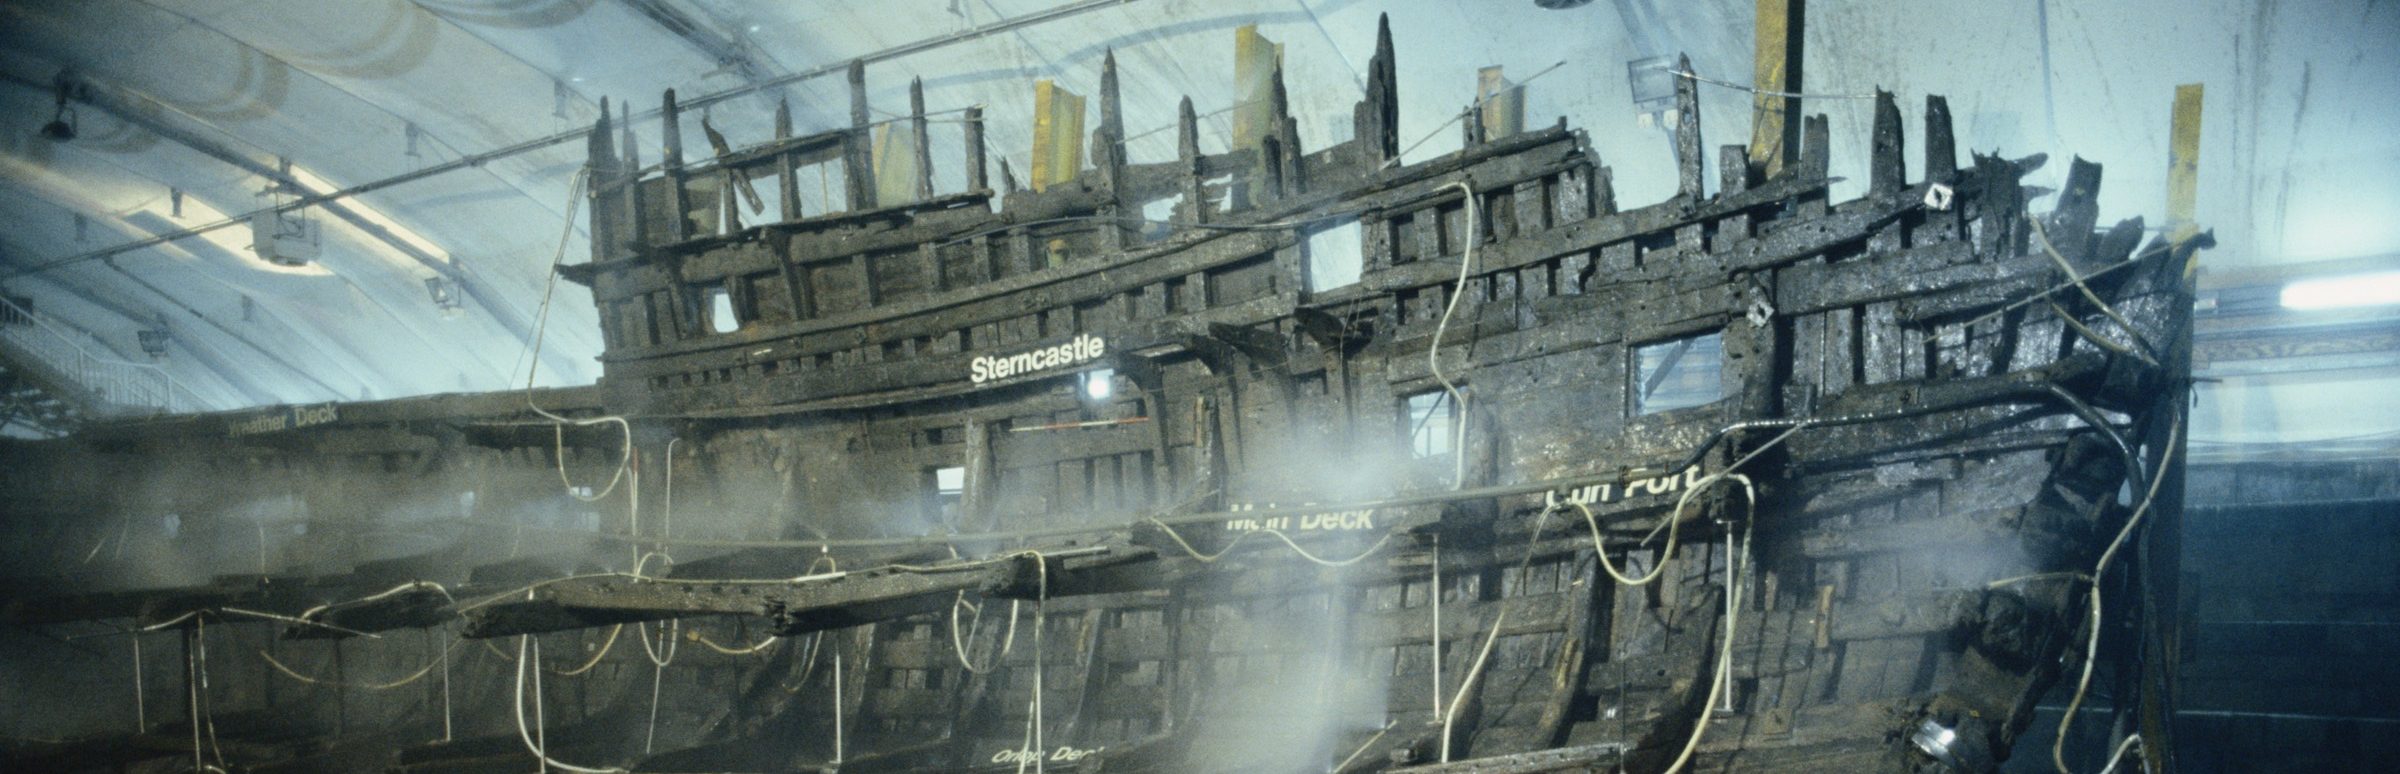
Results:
x,y
1503,112
2183,167
895,165
1775,119
1057,135
1254,61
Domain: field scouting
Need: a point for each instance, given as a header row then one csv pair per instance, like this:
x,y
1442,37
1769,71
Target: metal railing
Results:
x,y
110,387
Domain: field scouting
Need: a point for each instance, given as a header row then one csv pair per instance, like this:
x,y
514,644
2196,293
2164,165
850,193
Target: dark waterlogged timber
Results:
x,y
1751,480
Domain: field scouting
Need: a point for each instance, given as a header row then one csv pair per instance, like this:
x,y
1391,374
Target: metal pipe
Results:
x,y
576,135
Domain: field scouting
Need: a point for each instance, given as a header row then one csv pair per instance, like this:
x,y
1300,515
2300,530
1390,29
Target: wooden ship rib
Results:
x,y
1745,480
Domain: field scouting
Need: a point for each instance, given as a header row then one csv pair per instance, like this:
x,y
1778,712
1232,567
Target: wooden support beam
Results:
x,y
786,173
858,162
799,606
977,178
1887,171
1108,154
671,136
1194,208
1377,118
917,139
1690,180
1941,148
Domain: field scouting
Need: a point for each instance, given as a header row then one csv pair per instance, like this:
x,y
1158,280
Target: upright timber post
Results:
x,y
1108,154
1691,182
917,130
977,179
1775,126
671,138
858,163
787,174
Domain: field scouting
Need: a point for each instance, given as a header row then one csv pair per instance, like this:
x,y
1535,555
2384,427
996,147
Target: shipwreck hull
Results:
x,y
1056,485
1933,458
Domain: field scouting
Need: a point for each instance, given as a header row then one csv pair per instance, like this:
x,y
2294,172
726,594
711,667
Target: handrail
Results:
x,y
111,386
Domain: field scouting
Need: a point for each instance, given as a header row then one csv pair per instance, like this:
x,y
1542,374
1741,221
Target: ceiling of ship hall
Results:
x,y
193,102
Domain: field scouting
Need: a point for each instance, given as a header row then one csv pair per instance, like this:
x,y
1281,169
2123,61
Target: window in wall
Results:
x,y
1677,374
1158,217
768,186
721,315
822,188
945,489
1334,255
1430,416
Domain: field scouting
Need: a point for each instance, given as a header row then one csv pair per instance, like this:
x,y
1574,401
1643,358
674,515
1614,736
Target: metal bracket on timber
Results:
x,y
1266,350
1329,331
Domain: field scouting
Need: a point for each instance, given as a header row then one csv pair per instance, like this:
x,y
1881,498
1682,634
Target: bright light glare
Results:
x,y
1099,384
2374,289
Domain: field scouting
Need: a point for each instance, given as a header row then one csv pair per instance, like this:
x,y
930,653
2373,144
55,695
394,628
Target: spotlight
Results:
x,y
1098,385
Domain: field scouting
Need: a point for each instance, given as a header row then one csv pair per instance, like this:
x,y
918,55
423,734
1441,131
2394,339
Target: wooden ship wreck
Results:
x,y
1017,479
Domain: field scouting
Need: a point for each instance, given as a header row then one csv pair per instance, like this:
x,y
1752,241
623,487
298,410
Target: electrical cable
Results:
x,y
191,680
2045,293
2042,235
1208,558
1436,601
201,694
540,326
703,639
141,713
605,647
383,686
1033,752
1433,352
1499,621
2069,575
958,645
446,731
2119,756
668,631
383,595
2091,650
1672,70
1738,574
530,735
1674,523
2094,336
1472,106
299,621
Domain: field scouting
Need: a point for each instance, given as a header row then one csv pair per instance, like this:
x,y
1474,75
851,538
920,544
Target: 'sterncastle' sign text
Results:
x,y
1084,349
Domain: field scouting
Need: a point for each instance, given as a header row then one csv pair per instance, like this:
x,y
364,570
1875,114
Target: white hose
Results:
x,y
1433,352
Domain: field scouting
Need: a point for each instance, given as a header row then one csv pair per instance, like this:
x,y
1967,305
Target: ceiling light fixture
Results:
x,y
62,123
2343,292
